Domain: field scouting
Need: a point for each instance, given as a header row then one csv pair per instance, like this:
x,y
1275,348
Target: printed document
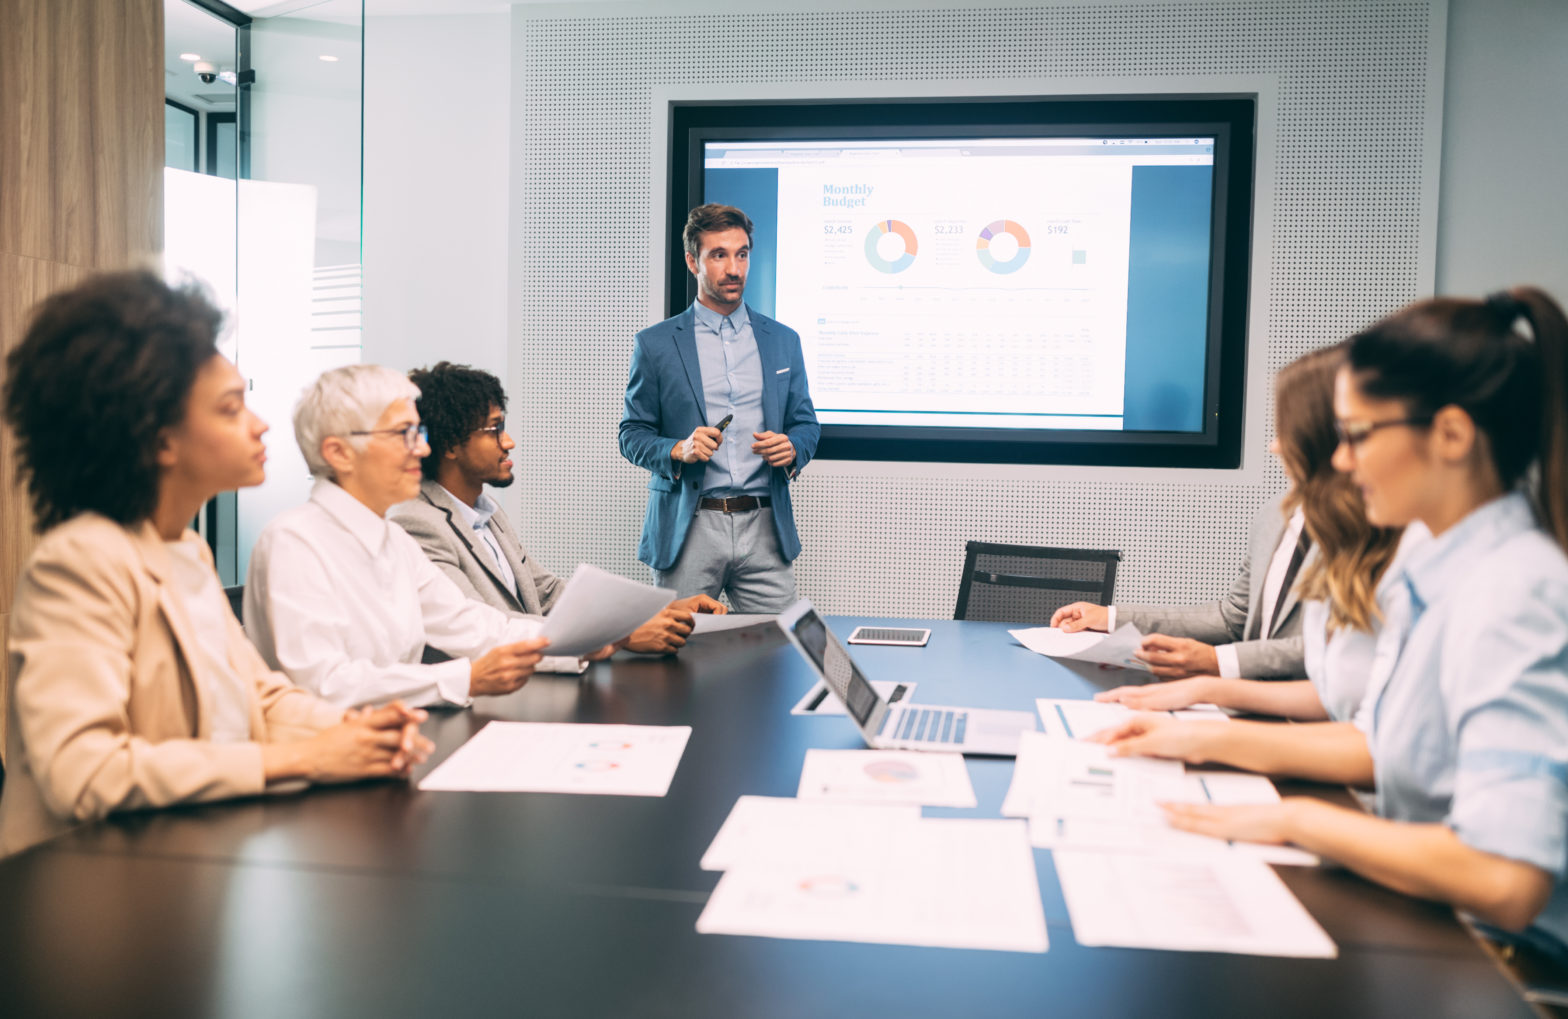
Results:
x,y
550,757
599,608
887,776
1078,796
1101,648
771,830
1187,904
944,883
1076,719
707,622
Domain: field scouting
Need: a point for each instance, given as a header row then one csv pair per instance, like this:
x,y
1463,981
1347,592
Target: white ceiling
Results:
x,y
327,26
188,29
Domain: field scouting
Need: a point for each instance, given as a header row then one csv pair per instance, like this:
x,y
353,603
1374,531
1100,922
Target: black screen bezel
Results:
x,y
1230,119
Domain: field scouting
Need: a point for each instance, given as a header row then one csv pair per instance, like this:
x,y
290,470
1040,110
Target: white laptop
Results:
x,y
899,726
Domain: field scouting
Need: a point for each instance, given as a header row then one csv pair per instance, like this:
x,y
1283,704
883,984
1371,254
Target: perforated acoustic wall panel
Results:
x,y
1349,179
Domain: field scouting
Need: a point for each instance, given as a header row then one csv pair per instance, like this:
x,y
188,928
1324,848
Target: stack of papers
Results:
x,y
1086,646
887,776
1078,796
1129,878
548,757
879,874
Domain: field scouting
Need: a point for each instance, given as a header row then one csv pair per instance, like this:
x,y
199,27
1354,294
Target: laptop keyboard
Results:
x,y
928,725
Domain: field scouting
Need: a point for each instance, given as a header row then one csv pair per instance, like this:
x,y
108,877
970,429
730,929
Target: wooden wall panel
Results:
x,y
81,180
81,118
27,281
5,702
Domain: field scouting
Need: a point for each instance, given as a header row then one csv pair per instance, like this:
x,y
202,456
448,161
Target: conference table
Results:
x,y
379,899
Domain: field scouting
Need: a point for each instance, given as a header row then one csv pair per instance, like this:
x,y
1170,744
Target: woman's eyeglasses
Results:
x,y
414,436
1354,433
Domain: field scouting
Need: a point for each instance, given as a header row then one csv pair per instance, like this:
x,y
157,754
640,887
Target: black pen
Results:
x,y
725,423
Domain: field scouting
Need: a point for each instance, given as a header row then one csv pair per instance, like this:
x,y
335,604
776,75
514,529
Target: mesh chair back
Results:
x,y
1026,583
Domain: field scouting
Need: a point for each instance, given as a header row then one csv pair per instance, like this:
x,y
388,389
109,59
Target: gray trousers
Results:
x,y
733,553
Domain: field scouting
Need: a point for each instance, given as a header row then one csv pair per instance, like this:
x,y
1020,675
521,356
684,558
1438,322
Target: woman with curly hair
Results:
x,y
132,684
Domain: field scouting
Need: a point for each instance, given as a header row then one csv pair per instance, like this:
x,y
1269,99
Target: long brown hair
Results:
x,y
1352,554
1470,354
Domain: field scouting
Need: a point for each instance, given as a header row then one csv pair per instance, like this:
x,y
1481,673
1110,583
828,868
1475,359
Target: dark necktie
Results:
x,y
1302,544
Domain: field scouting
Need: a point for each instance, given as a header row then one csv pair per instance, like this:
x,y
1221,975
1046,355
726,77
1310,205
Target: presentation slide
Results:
x,y
996,283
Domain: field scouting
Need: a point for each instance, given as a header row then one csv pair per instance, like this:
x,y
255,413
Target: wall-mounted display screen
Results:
x,y
997,281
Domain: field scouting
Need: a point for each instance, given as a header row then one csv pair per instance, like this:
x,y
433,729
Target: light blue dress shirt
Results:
x,y
1467,709
731,384
478,519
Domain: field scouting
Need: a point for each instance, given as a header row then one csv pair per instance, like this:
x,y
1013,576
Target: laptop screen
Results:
x,y
838,671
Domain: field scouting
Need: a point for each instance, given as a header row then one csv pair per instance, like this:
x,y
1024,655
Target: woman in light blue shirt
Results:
x,y
1451,415
1338,636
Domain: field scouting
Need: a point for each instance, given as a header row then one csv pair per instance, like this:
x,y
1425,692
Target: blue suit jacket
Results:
x,y
664,403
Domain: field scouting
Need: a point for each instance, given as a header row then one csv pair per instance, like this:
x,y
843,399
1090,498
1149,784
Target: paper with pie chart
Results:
x,y
942,883
548,757
887,776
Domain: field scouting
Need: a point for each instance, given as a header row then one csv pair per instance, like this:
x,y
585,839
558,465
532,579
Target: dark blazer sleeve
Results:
x,y
642,419
800,416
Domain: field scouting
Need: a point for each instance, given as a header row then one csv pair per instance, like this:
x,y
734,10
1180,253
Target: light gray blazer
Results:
x,y
434,520
1236,618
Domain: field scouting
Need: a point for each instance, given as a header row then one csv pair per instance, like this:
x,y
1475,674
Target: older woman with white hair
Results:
x,y
343,601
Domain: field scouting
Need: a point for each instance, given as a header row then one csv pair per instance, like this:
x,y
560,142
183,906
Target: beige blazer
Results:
x,y
106,713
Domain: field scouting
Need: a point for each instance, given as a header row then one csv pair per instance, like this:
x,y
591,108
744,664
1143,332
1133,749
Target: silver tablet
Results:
x,y
906,637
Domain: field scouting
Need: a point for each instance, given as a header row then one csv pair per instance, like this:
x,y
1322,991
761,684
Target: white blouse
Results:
x,y
344,603
227,696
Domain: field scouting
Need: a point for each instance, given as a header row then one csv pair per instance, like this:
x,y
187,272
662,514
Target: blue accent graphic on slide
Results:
x,y
1167,298
754,191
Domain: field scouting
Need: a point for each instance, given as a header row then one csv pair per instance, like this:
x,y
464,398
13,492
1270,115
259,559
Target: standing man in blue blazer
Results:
x,y
718,412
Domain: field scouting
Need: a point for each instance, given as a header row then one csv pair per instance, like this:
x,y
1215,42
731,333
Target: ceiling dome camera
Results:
x,y
207,72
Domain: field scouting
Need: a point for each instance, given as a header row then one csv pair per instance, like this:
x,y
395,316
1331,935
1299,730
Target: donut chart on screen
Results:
x,y
983,246
902,262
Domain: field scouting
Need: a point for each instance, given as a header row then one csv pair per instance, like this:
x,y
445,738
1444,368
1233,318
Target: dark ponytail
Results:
x,y
1470,354
1551,344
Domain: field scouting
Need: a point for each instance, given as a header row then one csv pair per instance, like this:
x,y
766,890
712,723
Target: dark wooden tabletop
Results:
x,y
377,899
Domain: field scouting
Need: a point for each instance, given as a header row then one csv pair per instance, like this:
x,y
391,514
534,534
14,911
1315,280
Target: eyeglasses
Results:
x,y
495,429
414,436
1354,433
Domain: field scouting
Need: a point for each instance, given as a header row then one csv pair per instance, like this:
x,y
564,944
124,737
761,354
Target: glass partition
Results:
x,y
262,204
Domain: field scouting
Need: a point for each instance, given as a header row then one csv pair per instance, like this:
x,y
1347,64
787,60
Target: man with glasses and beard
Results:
x,y
463,530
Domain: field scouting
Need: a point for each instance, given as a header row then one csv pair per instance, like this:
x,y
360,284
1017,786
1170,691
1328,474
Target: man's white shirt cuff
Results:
x,y
1230,666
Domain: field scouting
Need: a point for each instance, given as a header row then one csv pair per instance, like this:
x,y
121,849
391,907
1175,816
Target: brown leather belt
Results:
x,y
736,504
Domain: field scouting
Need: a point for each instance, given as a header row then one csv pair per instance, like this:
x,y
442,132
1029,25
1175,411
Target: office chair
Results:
x,y
1027,583
237,601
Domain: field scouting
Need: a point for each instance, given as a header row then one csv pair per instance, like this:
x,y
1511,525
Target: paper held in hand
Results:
x,y
599,608
1101,648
